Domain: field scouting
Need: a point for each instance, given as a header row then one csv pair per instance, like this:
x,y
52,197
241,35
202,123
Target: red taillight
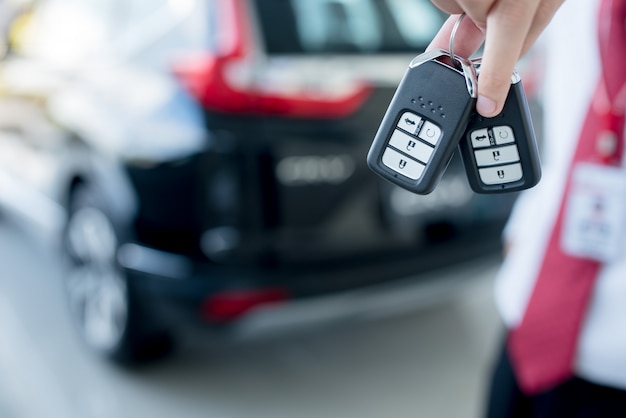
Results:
x,y
311,107
230,305
203,76
228,79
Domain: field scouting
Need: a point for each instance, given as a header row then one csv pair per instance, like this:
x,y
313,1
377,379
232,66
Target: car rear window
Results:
x,y
347,26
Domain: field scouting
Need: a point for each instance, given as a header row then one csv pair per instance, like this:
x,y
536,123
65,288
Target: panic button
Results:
x,y
402,164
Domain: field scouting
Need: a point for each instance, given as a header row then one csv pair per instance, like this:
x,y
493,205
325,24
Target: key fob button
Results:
x,y
503,135
402,164
494,156
501,175
409,122
480,138
430,133
411,146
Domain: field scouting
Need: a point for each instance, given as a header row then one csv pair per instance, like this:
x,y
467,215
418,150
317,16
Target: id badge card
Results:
x,y
595,215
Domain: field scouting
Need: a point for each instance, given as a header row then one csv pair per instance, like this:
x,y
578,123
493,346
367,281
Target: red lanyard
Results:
x,y
612,43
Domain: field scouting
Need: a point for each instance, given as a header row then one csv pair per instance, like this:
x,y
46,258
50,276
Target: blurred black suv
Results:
x,y
204,158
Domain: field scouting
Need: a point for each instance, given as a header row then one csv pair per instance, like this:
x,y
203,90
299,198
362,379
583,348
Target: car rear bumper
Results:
x,y
176,290
397,297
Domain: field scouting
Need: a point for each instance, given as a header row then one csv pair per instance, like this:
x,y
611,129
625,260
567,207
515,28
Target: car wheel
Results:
x,y
102,303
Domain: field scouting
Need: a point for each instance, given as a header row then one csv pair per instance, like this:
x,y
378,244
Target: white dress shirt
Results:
x,y
572,71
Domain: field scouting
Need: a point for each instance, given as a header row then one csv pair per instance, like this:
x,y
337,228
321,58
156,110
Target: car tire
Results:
x,y
104,306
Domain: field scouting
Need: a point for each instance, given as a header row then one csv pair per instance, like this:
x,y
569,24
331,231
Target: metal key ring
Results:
x,y
453,35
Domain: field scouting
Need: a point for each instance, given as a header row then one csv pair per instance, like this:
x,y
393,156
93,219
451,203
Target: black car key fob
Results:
x,y
500,153
424,122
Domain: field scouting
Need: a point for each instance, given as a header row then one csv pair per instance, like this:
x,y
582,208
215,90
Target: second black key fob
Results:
x,y
500,153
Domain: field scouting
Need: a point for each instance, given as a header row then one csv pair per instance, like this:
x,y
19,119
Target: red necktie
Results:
x,y
543,347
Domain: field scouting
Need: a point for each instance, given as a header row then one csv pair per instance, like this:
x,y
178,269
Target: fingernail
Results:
x,y
485,106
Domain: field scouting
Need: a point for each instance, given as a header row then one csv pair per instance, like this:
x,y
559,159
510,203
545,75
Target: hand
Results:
x,y
508,27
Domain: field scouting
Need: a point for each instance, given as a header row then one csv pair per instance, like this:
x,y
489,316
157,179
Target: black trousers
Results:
x,y
576,398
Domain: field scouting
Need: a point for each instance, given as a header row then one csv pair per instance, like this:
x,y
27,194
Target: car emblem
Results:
x,y
315,169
